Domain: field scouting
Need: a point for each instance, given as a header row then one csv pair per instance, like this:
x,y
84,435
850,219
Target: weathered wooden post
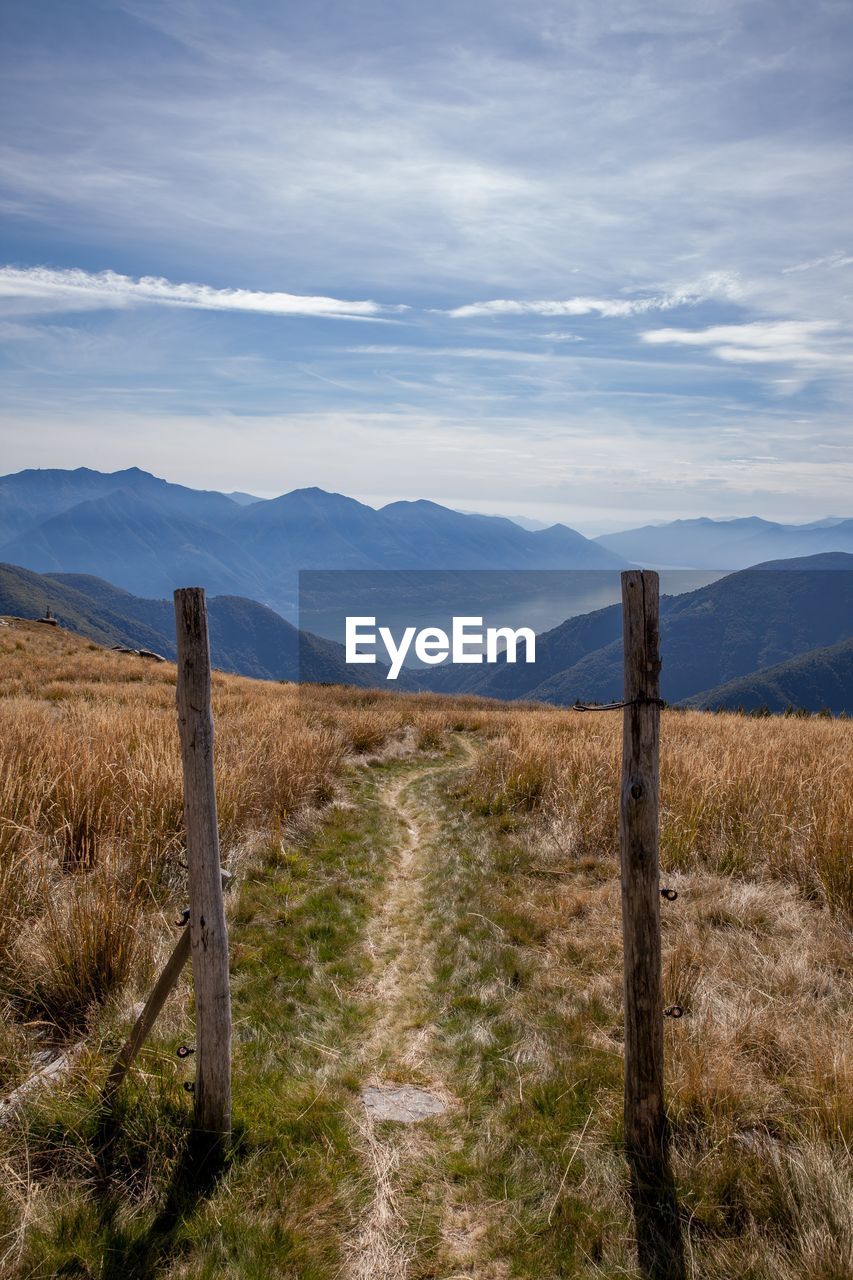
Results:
x,y
639,832
209,933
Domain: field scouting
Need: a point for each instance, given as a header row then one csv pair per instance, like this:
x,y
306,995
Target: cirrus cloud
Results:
x,y
608,308
46,289
719,284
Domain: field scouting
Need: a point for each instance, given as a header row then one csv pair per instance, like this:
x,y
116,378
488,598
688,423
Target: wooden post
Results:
x,y
209,934
639,831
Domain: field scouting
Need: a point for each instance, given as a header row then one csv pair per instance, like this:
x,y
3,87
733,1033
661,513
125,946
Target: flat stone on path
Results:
x,y
405,1103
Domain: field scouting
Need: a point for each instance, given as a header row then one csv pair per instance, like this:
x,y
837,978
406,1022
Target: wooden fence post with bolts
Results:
x,y
639,836
209,934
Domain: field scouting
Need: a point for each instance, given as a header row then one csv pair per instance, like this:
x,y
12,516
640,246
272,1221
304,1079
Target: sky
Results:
x,y
580,261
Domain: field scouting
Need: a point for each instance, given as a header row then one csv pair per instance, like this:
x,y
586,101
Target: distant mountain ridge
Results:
x,y
29,497
727,544
112,547
149,536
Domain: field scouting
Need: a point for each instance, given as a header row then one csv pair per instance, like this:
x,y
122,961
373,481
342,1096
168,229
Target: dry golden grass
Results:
x,y
759,1071
745,797
756,836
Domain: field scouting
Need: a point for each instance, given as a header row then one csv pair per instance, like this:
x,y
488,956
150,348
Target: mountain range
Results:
x,y
821,679
104,552
149,536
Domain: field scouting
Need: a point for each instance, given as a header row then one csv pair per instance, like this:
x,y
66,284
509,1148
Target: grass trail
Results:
x,y
398,1043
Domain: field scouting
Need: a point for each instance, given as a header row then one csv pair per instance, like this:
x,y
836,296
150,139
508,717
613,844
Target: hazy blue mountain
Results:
x,y
312,529
529,523
243,499
28,498
523,522
245,637
818,679
149,536
727,544
144,544
828,522
440,539
742,623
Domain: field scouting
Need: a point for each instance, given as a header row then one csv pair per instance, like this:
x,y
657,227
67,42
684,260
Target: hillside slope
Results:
x,y
25,594
246,638
738,625
817,680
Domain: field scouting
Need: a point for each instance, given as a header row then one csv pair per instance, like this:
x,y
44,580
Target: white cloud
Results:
x,y
797,341
718,284
45,289
606,307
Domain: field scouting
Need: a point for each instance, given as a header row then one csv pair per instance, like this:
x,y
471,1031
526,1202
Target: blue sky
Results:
x,y
583,261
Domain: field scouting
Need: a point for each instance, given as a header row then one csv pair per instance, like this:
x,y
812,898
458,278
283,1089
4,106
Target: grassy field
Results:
x,y
426,891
